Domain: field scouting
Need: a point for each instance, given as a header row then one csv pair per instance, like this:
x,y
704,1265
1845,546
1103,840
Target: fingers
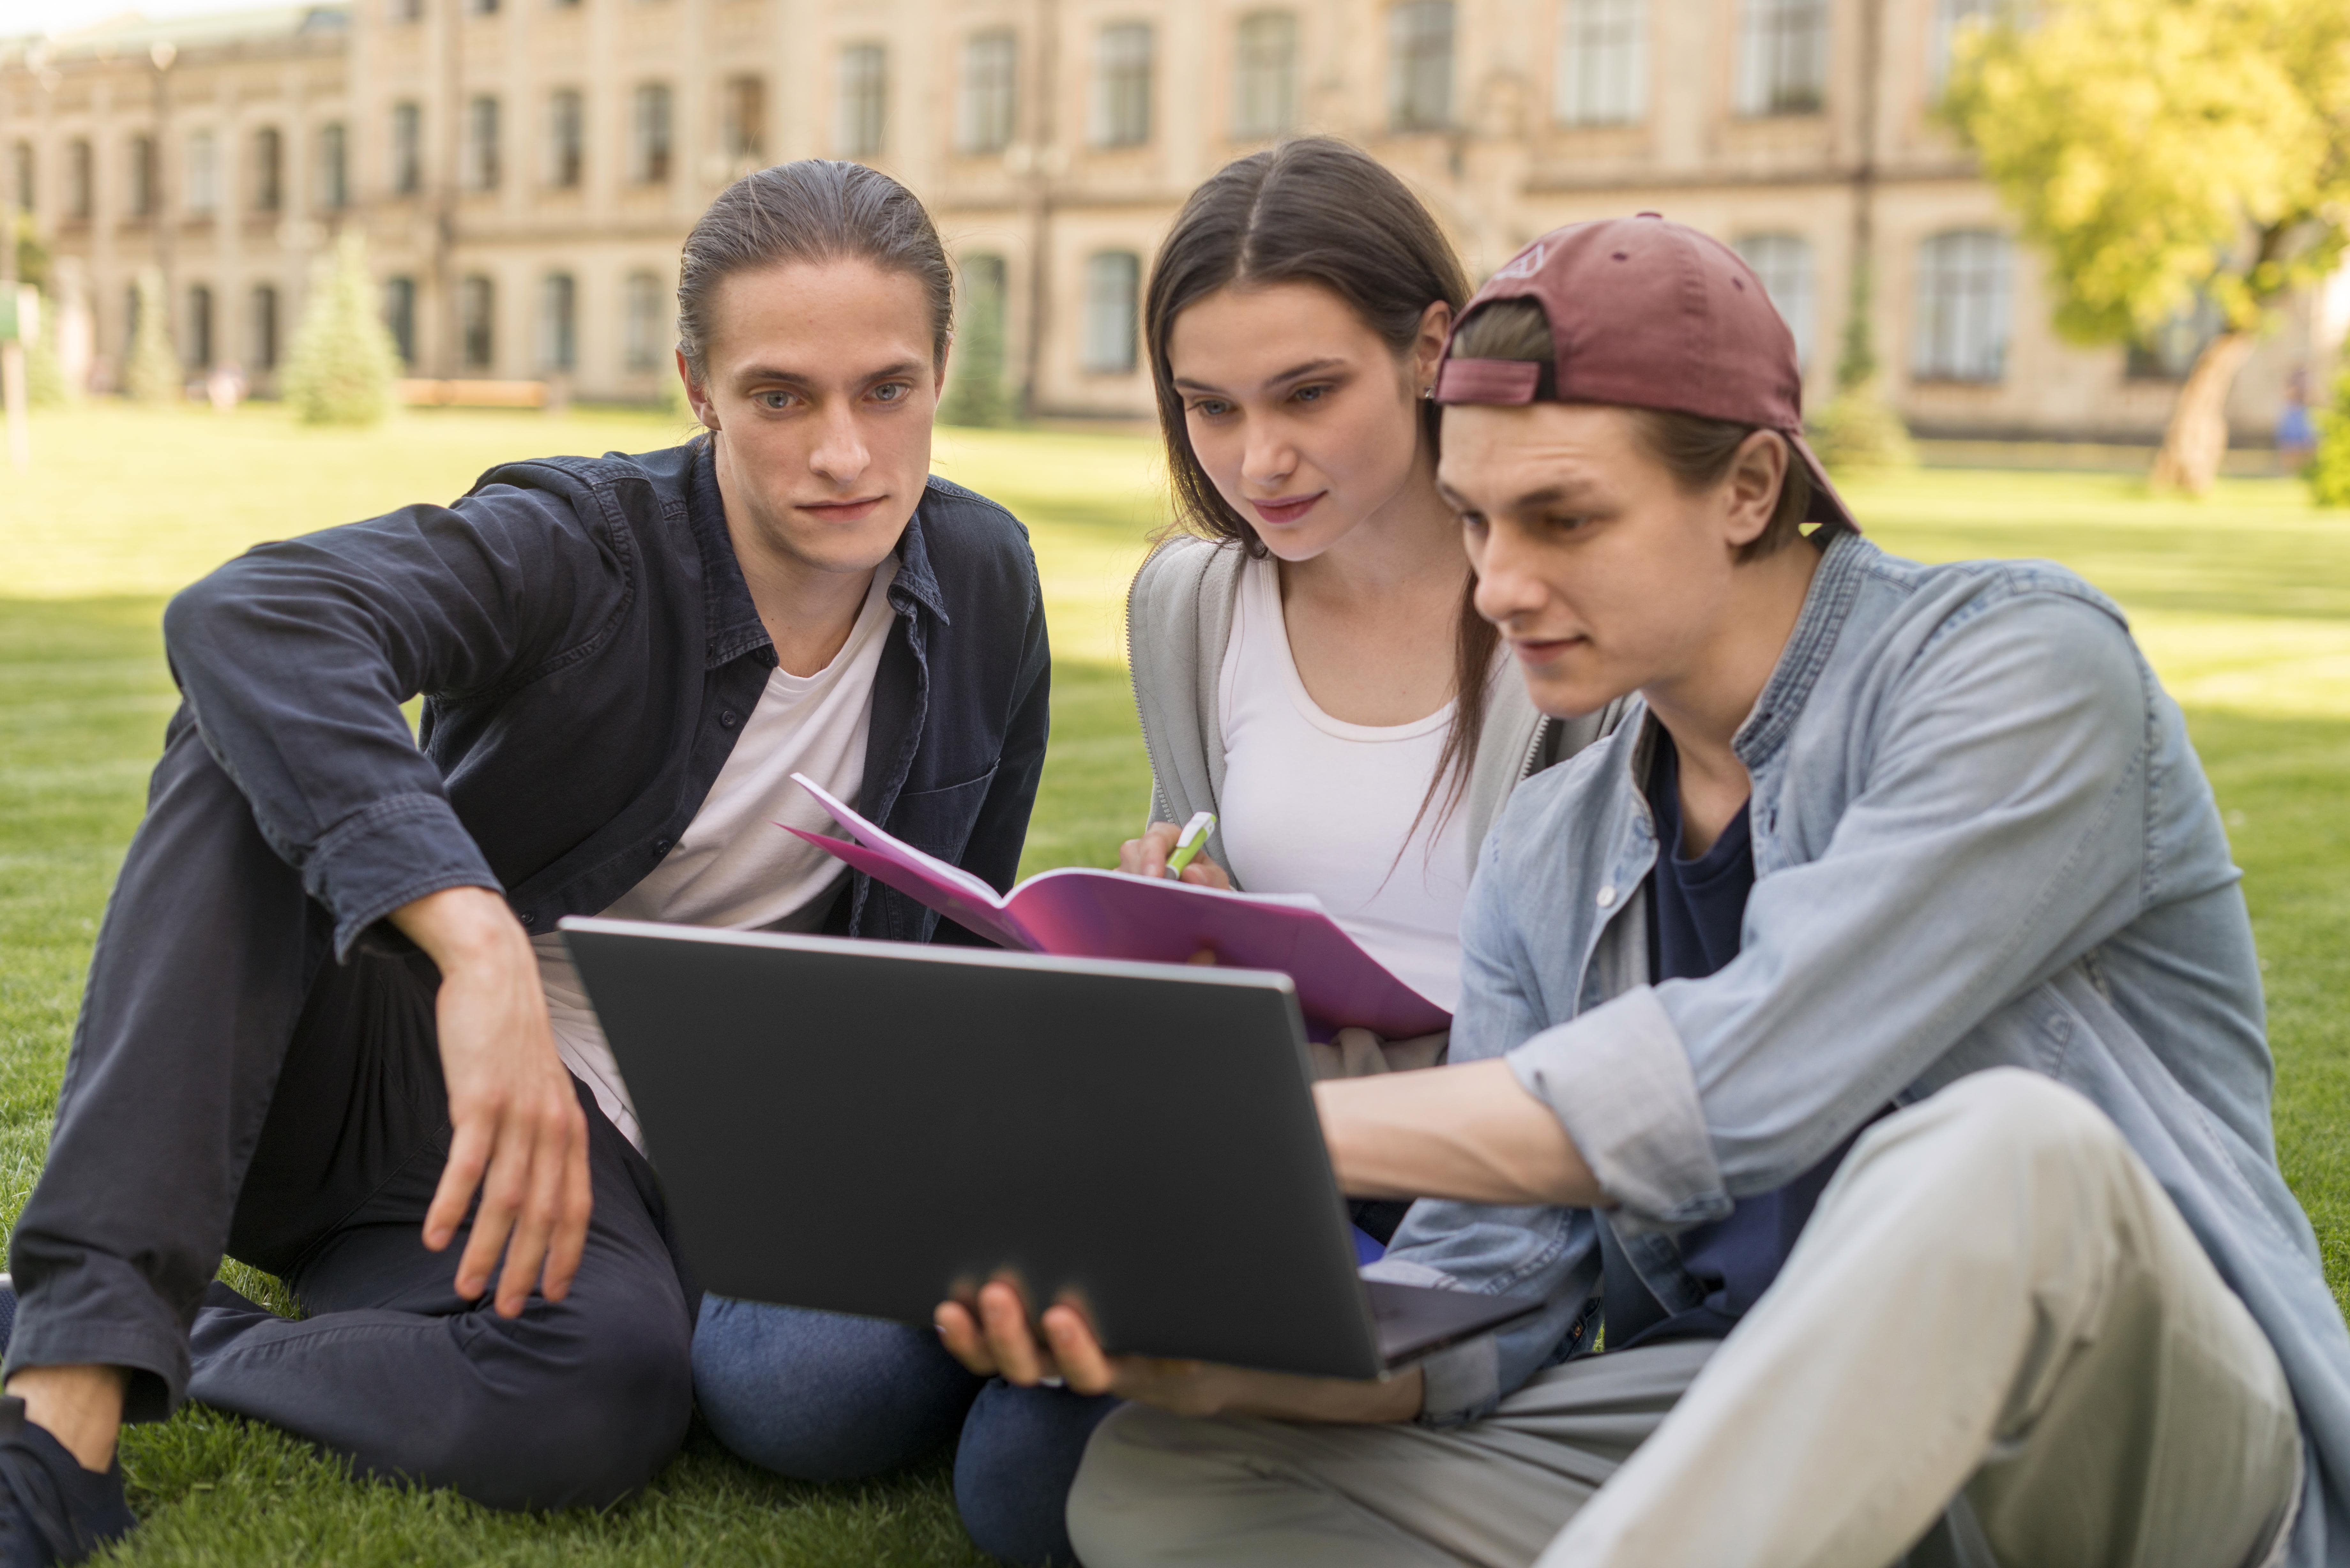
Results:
x,y
469,1153
1205,873
1076,1352
549,1144
959,1332
503,1191
578,1205
1005,1318
1146,855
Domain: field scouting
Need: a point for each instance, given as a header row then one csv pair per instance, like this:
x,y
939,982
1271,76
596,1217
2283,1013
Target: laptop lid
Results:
x,y
870,1127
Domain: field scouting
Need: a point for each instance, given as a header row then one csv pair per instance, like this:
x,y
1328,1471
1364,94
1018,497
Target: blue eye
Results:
x,y
891,391
1311,394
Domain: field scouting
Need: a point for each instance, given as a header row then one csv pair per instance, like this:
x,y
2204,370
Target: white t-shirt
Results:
x,y
734,867
1314,805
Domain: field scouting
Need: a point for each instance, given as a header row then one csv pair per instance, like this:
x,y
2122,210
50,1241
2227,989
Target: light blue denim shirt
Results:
x,y
1980,839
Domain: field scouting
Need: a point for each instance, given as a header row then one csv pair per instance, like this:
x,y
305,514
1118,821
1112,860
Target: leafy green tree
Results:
x,y
2160,151
343,363
155,374
2329,472
975,395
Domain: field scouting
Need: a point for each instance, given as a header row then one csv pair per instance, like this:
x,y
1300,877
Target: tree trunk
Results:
x,y
2197,437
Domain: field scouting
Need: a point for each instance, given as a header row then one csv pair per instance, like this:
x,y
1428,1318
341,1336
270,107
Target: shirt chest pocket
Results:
x,y
939,821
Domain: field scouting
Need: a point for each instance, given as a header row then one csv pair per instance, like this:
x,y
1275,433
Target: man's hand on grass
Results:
x,y
991,1336
518,1134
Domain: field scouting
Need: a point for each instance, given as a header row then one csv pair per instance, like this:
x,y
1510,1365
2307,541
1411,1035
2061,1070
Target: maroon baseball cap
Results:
x,y
1649,315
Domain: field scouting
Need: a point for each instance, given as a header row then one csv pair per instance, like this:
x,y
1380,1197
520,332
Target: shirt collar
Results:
x,y
734,628
1843,563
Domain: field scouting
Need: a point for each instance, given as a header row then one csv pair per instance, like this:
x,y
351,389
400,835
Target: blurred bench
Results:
x,y
473,394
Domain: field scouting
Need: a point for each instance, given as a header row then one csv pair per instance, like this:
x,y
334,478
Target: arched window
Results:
x,y
261,327
1964,280
861,101
566,138
642,345
477,321
334,168
144,192
649,135
482,159
400,316
202,192
199,326
1122,67
1783,59
1113,285
1265,76
268,170
1603,62
1420,66
1783,263
987,107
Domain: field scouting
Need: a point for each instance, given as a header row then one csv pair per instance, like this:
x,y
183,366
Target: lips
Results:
x,y
1287,509
841,511
1542,651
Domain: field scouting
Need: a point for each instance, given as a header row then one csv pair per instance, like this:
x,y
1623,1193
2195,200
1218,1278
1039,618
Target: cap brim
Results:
x,y
1827,506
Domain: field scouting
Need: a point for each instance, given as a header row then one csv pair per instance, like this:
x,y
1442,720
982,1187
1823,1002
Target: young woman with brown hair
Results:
x,y
1307,660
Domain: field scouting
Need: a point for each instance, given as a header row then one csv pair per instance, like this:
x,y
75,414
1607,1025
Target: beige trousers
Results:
x,y
1995,1312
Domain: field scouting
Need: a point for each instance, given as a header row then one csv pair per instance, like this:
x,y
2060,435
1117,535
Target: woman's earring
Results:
x,y
1427,393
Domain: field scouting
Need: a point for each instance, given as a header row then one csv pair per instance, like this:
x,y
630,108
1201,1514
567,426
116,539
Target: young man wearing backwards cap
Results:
x,y
1861,1052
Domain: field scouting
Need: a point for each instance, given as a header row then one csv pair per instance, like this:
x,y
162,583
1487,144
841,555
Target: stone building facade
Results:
x,y
524,170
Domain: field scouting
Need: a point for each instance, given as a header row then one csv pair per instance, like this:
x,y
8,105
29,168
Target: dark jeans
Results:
x,y
820,1396
232,1088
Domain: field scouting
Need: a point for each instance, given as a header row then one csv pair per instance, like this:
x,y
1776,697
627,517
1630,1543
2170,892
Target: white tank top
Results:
x,y
1314,805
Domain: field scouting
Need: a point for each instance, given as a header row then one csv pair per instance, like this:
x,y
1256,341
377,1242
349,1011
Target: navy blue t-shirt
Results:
x,y
1697,911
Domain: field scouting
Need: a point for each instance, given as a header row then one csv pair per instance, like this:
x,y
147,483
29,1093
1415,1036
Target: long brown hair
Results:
x,y
1315,210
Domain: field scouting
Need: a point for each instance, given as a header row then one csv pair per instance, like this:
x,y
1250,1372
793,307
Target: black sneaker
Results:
x,y
51,1509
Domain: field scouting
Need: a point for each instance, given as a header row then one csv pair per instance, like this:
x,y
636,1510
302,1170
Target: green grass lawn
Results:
x,y
2243,602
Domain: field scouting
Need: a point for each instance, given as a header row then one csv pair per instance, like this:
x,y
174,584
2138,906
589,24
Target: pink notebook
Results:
x,y
1079,912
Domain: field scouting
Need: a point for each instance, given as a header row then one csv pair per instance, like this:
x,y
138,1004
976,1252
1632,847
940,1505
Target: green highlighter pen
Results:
x,y
1190,841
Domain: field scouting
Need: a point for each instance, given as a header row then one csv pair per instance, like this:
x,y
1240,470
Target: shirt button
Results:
x,y
660,846
1608,896
726,720
527,918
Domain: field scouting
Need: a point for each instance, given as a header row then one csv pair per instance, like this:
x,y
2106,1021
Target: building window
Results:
x,y
477,321
558,343
143,183
1113,281
404,10
203,175
268,171
1122,85
1783,263
22,156
334,168
199,326
482,143
743,125
264,335
482,7
641,344
2170,350
984,114
861,107
400,316
1963,294
1950,17
566,138
1265,76
648,138
1603,62
1783,61
407,149
1420,66
82,193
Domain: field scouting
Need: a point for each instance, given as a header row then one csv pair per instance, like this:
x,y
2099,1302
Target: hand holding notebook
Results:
x,y
1079,912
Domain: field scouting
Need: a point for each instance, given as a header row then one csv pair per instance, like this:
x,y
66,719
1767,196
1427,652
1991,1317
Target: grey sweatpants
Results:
x,y
1995,1312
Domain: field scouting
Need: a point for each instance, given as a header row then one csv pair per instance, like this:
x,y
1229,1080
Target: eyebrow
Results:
x,y
794,379
1530,501
1294,373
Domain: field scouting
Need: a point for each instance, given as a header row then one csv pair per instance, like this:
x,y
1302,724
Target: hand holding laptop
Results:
x,y
993,1337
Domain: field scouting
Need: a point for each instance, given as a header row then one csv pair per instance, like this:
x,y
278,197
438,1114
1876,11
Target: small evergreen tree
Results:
x,y
976,396
343,362
1859,428
154,374
2329,466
